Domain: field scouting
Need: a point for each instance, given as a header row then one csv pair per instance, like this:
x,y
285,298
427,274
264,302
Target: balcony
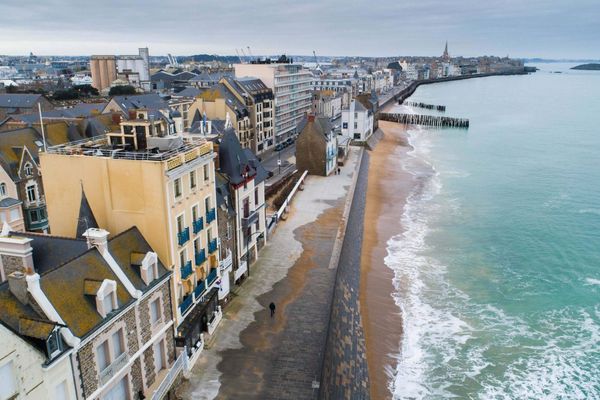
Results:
x,y
212,246
110,371
212,276
186,304
199,289
183,236
186,270
210,215
250,219
165,385
200,257
198,225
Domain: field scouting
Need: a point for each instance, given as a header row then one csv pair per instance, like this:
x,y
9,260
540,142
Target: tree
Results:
x,y
121,90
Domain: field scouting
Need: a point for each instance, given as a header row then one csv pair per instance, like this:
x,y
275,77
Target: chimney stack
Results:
x,y
17,255
17,285
97,238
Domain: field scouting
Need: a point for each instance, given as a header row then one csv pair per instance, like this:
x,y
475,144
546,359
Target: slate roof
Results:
x,y
18,100
70,274
233,160
212,76
86,218
222,189
358,107
9,202
11,148
151,101
52,251
261,172
321,125
189,91
168,77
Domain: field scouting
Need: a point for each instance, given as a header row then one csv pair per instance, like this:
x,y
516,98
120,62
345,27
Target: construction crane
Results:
x,y
244,54
238,56
249,52
317,66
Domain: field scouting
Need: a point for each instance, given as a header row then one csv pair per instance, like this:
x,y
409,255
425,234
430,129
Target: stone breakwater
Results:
x,y
429,120
345,371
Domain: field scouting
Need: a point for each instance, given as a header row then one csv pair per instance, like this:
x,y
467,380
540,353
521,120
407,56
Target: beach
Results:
x,y
389,185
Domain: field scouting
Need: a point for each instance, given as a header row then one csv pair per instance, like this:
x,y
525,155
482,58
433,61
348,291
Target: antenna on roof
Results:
x,y
42,126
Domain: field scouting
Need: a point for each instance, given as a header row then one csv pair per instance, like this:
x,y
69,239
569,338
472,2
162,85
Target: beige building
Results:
x,y
164,185
104,71
291,86
219,103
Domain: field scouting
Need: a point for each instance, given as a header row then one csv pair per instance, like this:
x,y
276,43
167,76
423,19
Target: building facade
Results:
x,y
316,147
168,193
357,122
291,86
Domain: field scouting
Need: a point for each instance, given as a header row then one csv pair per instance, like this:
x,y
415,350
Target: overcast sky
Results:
x,y
519,28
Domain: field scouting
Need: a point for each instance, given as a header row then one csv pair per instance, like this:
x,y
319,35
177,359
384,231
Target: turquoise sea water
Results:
x,y
498,272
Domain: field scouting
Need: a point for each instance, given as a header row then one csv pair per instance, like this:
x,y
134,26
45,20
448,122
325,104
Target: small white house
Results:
x,y
357,122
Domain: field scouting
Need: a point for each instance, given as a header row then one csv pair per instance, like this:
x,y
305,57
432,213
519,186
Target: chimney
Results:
x,y
17,255
97,238
17,285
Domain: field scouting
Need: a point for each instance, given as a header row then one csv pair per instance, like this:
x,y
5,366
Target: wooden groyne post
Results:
x,y
424,105
428,120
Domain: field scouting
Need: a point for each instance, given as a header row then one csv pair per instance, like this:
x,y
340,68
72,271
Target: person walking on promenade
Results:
x,y
272,308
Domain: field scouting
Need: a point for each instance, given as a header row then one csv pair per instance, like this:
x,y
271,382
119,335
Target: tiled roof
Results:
x,y
18,100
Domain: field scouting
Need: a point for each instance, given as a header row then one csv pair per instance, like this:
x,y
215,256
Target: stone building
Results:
x,y
316,147
98,308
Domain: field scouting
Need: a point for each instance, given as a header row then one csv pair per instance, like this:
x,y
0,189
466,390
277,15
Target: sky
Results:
x,y
518,28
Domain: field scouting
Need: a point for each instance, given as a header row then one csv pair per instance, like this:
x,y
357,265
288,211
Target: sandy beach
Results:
x,y
388,187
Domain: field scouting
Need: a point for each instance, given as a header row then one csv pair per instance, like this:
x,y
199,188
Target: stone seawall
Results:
x,y
344,372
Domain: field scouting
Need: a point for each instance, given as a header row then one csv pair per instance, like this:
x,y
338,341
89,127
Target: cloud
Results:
x,y
331,27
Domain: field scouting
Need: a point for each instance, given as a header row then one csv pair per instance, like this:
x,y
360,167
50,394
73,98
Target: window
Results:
x,y
207,204
345,125
54,344
28,169
103,353
117,343
256,203
155,315
182,258
119,391
3,190
355,125
7,376
206,173
36,215
107,303
61,392
193,180
180,223
197,245
195,213
159,355
31,193
177,186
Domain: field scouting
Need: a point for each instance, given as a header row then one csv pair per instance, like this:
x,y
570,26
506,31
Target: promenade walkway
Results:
x,y
254,356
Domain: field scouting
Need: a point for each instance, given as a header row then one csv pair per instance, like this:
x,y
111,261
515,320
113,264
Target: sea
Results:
x,y
497,270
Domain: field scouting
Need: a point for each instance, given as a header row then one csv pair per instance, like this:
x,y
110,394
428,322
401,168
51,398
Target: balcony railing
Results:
x,y
200,257
212,246
210,215
198,225
114,367
250,219
186,270
212,276
183,236
186,304
168,381
200,289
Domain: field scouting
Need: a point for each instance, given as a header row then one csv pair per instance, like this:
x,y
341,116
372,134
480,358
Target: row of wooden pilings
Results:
x,y
424,105
429,120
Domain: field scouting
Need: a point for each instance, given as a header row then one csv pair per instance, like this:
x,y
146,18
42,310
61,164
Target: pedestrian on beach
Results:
x,y
339,171
272,308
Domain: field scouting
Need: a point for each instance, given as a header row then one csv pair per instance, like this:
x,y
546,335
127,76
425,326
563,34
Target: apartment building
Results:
x,y
164,185
243,191
259,100
291,86
220,103
357,122
85,319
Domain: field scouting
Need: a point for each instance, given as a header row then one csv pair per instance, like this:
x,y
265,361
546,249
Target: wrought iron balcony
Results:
x,y
183,236
114,368
212,246
186,304
186,270
212,276
250,219
199,289
210,215
200,257
198,225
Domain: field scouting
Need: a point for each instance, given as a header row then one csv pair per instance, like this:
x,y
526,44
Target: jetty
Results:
x,y
428,120
424,105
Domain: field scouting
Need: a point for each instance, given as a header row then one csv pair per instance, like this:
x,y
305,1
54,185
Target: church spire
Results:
x,y
446,56
86,218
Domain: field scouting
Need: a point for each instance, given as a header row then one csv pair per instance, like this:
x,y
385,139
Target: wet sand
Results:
x,y
389,186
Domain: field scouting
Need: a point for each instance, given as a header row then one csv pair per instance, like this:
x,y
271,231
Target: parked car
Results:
x,y
279,147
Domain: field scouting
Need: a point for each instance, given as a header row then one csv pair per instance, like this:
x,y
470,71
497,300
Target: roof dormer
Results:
x,y
148,264
106,295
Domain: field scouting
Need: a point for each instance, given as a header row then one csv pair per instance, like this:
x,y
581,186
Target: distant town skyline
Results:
x,y
535,28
